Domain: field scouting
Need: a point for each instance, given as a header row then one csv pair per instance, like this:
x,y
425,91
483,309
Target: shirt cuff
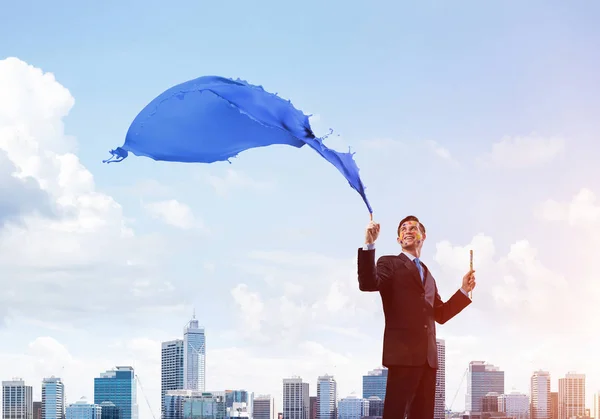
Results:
x,y
464,292
369,246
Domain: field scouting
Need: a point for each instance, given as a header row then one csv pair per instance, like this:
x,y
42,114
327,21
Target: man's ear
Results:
x,y
399,240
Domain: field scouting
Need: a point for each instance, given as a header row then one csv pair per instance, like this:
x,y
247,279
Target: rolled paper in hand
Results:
x,y
471,268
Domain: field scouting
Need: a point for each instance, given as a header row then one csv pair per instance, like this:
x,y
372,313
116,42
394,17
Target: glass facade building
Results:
x,y
119,387
84,410
171,370
482,379
374,383
53,398
194,356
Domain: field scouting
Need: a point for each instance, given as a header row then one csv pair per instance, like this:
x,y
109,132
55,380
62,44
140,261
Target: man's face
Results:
x,y
410,235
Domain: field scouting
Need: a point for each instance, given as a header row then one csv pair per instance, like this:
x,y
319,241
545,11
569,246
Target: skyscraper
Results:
x,y
17,400
482,379
596,408
118,386
540,395
194,356
326,397
571,395
440,381
53,398
171,370
264,407
374,383
296,401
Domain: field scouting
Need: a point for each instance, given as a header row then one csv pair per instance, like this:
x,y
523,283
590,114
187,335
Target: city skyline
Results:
x,y
480,118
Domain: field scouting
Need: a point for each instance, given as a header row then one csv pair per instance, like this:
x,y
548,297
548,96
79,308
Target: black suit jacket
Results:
x,y
409,336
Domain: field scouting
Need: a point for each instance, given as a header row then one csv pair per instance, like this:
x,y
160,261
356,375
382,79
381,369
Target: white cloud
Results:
x,y
174,213
233,179
583,210
441,152
523,152
61,235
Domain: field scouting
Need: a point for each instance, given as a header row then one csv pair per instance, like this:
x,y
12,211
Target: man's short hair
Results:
x,y
410,218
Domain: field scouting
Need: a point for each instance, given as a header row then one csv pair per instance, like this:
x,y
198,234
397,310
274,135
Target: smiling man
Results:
x,y
411,306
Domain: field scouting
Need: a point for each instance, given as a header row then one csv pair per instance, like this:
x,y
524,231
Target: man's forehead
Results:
x,y
409,223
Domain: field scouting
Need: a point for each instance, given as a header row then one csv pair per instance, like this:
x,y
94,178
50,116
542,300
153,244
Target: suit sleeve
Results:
x,y
444,311
373,276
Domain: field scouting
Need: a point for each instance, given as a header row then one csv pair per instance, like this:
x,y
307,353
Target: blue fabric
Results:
x,y
211,119
420,268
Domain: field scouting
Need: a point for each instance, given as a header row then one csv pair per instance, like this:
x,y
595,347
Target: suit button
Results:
x,y
425,326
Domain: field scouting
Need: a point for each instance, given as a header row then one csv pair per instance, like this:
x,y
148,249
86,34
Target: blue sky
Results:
x,y
479,118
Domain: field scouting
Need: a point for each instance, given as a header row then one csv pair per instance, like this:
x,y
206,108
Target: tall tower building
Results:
x,y
194,356
540,395
482,379
171,369
571,395
17,400
296,400
53,398
440,381
374,383
264,407
118,386
326,397
596,411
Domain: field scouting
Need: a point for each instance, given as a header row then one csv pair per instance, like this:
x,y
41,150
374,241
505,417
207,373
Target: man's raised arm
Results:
x,y
372,276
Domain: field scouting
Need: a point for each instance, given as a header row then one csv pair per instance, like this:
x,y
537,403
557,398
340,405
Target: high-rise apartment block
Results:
x,y
571,395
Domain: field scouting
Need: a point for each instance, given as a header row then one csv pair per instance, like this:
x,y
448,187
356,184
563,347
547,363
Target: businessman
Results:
x,y
411,307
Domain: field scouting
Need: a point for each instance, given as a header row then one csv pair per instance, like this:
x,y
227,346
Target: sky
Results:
x,y
478,117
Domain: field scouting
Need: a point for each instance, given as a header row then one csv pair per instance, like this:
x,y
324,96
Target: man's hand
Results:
x,y
372,232
468,282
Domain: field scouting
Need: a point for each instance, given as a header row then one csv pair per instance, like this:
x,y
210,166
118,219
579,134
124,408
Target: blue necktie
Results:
x,y
419,267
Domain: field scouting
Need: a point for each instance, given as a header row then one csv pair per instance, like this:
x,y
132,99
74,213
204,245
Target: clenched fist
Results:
x,y
372,232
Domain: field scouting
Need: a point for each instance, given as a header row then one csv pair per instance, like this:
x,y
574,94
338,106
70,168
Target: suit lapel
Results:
x,y
410,265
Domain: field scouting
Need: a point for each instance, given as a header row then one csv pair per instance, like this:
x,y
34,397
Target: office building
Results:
x,y
264,407
440,381
194,356
171,369
296,400
119,387
571,395
110,410
84,410
482,379
53,398
352,407
374,383
540,395
326,397
37,410
514,404
17,400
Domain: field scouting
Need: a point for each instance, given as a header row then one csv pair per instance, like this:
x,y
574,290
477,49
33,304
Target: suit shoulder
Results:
x,y
386,258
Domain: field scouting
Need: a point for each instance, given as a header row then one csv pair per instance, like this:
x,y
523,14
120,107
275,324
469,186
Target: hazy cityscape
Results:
x,y
185,395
